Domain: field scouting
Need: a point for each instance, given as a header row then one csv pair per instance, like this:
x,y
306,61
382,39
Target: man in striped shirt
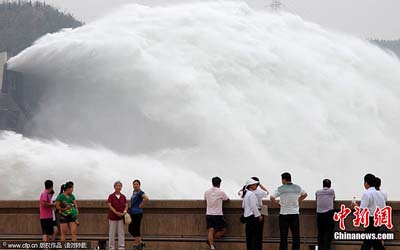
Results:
x,y
290,195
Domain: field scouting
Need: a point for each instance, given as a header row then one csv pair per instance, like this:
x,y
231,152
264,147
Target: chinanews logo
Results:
x,y
381,220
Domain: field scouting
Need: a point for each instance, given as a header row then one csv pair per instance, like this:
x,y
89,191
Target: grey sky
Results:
x,y
364,18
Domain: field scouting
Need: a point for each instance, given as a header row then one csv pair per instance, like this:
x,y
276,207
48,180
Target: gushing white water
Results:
x,y
26,163
186,92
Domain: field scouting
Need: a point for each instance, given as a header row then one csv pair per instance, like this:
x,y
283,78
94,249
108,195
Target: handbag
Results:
x,y
242,219
127,219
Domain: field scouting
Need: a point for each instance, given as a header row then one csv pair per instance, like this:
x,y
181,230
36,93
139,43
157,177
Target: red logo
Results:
x,y
342,215
382,216
362,217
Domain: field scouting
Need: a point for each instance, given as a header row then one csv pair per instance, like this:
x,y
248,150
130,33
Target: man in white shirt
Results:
x,y
214,198
290,195
371,199
325,198
378,188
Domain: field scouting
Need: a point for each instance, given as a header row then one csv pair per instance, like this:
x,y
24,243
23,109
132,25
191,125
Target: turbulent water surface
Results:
x,y
175,95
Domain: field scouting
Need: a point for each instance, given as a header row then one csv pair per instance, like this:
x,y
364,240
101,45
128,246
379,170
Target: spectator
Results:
x,y
290,195
68,209
46,210
325,198
252,215
53,211
371,199
261,193
138,201
378,188
214,198
118,207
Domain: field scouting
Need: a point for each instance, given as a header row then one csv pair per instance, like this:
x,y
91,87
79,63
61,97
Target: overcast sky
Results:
x,y
364,18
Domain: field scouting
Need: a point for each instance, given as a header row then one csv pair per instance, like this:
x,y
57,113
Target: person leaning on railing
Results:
x,y
290,196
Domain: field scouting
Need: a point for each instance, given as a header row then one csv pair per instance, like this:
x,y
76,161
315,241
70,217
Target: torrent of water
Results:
x,y
175,95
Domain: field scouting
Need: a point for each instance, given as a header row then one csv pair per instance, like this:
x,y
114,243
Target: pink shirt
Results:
x,y
45,212
214,198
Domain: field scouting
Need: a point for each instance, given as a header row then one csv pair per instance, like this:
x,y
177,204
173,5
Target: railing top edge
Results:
x,y
165,204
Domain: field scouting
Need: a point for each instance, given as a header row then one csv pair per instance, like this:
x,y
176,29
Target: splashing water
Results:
x,y
176,95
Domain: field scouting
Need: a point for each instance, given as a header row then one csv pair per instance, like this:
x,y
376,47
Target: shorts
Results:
x,y
47,226
216,222
55,223
65,219
134,227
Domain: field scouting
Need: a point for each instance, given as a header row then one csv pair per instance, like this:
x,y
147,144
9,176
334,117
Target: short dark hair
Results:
x,y
117,182
286,176
326,183
370,179
216,181
48,184
69,184
378,183
137,182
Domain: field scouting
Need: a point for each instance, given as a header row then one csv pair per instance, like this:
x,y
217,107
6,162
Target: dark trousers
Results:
x,y
253,235
285,222
134,227
260,233
326,225
368,244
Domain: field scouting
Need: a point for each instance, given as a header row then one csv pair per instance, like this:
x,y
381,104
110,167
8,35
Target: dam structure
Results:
x,y
13,114
175,95
180,224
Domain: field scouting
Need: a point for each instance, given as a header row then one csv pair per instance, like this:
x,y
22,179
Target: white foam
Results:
x,y
207,89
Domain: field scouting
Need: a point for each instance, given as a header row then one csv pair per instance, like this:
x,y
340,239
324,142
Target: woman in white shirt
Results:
x,y
261,191
252,216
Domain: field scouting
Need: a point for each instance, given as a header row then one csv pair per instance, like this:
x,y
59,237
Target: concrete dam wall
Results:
x,y
179,224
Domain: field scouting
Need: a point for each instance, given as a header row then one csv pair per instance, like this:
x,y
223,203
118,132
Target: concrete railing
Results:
x,y
176,224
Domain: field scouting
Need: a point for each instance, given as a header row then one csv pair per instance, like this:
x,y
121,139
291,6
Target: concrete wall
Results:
x,y
13,116
3,60
171,218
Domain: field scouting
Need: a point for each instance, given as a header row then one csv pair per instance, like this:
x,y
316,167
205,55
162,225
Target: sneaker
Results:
x,y
212,247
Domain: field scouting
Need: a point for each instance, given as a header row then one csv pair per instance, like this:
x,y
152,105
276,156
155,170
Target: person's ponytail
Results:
x,y
62,189
244,191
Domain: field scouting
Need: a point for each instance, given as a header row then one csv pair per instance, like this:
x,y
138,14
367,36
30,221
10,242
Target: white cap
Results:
x,y
251,182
